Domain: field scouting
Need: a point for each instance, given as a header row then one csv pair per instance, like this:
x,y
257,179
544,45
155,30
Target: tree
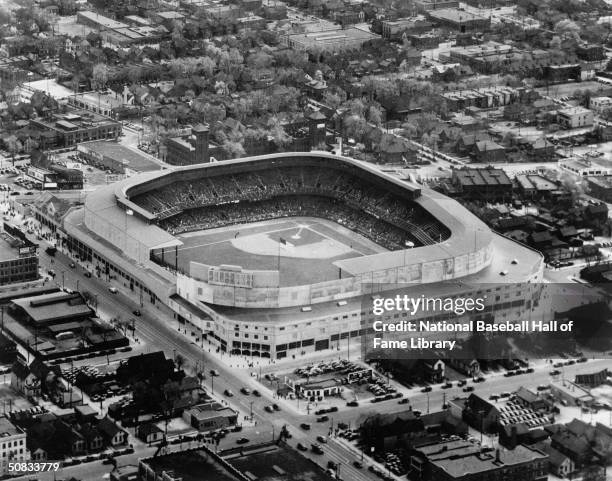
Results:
x,y
277,131
99,76
234,150
567,28
375,115
594,473
180,361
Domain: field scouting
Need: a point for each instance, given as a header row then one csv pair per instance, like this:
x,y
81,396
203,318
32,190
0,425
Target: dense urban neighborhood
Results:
x,y
213,210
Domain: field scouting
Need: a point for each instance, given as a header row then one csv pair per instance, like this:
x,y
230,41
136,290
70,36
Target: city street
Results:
x,y
155,331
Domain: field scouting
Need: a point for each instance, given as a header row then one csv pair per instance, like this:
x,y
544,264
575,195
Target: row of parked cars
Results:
x,y
518,372
342,366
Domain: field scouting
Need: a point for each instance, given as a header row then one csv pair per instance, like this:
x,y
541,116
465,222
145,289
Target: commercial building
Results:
x,y
210,416
600,188
51,309
463,461
119,159
575,117
487,183
427,5
395,29
586,168
18,257
43,178
600,104
483,98
12,444
335,40
76,127
189,150
119,33
459,19
67,178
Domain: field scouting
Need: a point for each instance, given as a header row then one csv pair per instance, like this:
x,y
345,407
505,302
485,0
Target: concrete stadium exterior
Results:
x,y
273,320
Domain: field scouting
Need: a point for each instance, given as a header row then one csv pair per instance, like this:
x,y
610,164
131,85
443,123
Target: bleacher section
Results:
x,y
367,208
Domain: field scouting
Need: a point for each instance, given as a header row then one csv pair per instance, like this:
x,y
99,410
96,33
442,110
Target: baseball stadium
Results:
x,y
274,255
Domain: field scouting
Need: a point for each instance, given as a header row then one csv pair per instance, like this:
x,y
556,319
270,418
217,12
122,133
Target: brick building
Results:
x,y
189,150
462,461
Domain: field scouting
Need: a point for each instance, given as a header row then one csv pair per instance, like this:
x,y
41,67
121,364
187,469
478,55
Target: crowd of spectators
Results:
x,y
387,219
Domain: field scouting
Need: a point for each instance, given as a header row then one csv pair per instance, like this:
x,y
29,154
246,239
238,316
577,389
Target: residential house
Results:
x,y
535,402
487,151
113,435
149,433
92,436
481,414
24,381
559,464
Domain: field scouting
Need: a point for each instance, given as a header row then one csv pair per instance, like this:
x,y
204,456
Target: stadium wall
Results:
x,y
197,287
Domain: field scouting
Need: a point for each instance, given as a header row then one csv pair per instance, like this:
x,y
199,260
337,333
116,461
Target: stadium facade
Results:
x,y
435,245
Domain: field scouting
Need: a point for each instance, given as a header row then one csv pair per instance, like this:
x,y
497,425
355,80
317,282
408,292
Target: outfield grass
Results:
x,y
304,260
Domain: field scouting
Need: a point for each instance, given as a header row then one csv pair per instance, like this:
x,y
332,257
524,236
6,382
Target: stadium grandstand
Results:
x,y
280,254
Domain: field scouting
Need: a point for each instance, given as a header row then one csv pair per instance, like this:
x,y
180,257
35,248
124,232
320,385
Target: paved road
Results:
x,y
155,329
156,332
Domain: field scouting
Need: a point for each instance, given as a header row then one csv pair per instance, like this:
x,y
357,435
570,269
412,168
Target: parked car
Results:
x,y
323,419
228,393
301,447
305,426
245,390
113,290
322,439
242,441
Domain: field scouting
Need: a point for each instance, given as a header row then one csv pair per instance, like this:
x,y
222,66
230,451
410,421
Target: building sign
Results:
x,y
27,251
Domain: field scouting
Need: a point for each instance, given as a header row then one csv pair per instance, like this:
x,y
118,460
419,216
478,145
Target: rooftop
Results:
x,y
467,177
8,249
51,307
574,111
130,158
455,15
7,428
101,20
462,458
335,36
